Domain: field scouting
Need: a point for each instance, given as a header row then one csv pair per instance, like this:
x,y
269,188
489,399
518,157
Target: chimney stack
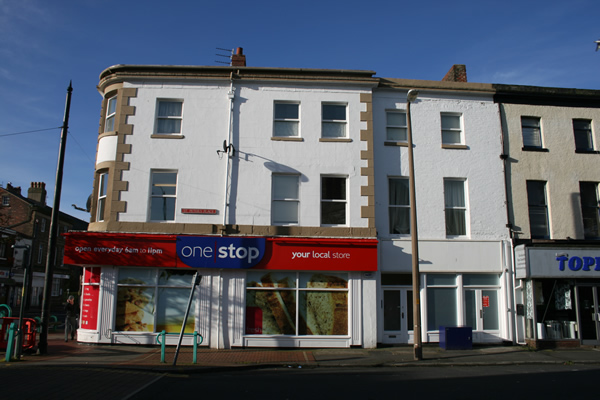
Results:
x,y
238,59
458,73
13,189
37,192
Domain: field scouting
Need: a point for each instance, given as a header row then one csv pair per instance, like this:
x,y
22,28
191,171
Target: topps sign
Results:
x,y
220,252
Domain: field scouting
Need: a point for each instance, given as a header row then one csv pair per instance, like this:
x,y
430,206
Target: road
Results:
x,y
481,383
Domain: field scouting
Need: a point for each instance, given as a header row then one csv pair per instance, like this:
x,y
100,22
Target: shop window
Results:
x,y
102,184
334,121
555,309
285,203
333,200
396,126
538,209
399,206
153,300
442,301
163,196
455,207
291,303
168,117
286,119
111,109
590,209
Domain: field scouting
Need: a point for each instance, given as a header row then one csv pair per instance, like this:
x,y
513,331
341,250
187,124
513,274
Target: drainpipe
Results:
x,y
227,146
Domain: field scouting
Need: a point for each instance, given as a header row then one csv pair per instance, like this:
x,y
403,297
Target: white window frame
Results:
x,y
579,132
341,123
451,131
391,127
285,121
453,207
111,111
5,201
160,117
396,205
285,201
164,196
101,204
330,201
531,129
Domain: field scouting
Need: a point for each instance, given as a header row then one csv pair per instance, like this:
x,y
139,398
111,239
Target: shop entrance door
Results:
x,y
481,314
589,319
397,315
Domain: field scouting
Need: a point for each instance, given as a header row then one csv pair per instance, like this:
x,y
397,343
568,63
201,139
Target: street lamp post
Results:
x,y
418,350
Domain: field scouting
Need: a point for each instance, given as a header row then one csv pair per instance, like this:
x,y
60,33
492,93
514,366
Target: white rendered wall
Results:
x,y
201,171
560,166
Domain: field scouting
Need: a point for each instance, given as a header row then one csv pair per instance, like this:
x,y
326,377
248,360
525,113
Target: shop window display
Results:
x,y
555,308
153,300
290,303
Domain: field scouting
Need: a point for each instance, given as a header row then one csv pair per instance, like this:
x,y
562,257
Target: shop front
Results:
x,y
254,291
559,291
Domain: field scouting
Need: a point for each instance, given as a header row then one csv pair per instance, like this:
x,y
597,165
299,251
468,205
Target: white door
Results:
x,y
482,314
397,315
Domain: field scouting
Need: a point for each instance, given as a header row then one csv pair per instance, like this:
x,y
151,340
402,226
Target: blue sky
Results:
x,y
45,44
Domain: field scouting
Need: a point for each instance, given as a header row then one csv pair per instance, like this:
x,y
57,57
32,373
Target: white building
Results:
x,y
464,248
260,179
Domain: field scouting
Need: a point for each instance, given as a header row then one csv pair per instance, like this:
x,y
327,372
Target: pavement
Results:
x,y
149,358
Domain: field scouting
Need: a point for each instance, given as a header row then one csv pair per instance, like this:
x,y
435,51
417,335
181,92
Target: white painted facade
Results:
x,y
485,248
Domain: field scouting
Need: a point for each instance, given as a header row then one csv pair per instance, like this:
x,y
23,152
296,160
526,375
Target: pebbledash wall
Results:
x,y
466,278
225,158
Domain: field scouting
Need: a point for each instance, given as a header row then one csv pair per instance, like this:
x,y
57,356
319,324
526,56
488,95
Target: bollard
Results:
x,y
11,341
162,345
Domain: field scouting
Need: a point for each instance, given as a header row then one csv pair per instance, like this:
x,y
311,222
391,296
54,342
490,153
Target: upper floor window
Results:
x,y
452,133
334,120
395,126
333,200
102,184
40,255
399,205
43,225
455,207
538,209
589,209
287,119
168,117
111,109
582,129
163,196
5,201
532,132
285,199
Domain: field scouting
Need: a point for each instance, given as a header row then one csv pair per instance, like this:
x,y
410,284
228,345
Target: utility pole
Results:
x,y
53,239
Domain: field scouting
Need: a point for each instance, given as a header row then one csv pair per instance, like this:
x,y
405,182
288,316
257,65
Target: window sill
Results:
x,y
455,146
287,139
587,151
538,149
340,140
393,143
167,136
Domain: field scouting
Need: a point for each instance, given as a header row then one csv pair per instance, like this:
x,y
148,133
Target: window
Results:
x,y
5,201
153,300
40,255
590,209
287,120
162,204
451,129
3,250
296,303
455,207
582,128
111,108
442,301
396,126
334,120
285,199
399,206
538,209
43,225
102,182
168,117
56,291
532,133
333,200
